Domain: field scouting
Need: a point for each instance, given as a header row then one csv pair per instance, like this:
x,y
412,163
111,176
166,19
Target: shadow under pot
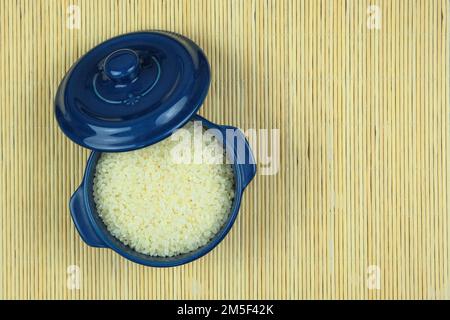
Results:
x,y
94,232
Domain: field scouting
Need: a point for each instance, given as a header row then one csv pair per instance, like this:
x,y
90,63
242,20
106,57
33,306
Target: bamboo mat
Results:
x,y
359,207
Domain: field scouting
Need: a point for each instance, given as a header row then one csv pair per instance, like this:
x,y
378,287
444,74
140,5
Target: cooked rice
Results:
x,y
159,207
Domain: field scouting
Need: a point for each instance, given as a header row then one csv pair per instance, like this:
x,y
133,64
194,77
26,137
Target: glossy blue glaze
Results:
x,y
94,232
132,91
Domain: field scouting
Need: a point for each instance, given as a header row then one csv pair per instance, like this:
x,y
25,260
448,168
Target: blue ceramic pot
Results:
x,y
130,92
94,232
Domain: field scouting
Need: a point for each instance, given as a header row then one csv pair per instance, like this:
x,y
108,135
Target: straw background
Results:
x,y
364,166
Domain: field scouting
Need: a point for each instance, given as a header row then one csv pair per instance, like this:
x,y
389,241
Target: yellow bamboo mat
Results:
x,y
360,205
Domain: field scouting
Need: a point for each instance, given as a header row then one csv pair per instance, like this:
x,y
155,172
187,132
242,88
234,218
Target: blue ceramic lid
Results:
x,y
132,91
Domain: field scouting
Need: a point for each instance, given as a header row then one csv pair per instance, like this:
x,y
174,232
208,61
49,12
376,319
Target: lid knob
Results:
x,y
122,66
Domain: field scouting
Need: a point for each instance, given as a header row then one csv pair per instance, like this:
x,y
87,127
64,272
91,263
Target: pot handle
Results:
x,y
81,220
244,158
